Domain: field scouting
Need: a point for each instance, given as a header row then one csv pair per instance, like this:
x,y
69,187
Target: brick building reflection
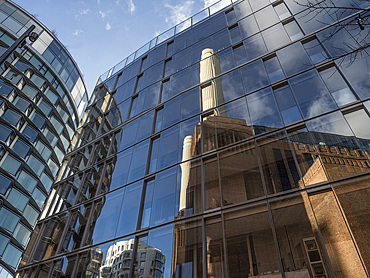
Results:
x,y
311,231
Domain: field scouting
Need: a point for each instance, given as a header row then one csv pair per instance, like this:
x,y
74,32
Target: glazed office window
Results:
x,y
197,49
54,167
266,17
31,215
234,124
119,169
164,197
4,184
21,103
255,46
358,79
235,34
38,120
145,126
168,68
5,133
17,199
5,89
189,174
293,227
152,75
106,213
294,65
147,204
168,148
332,38
171,112
27,181
51,96
311,94
240,172
56,124
46,181
21,148
226,59
221,40
8,220
116,116
3,243
248,26
45,108
39,197
127,135
287,105
11,164
273,69
154,155
315,51
338,88
211,184
232,85
184,79
158,120
170,49
138,162
12,255
254,76
192,266
338,144
230,16
242,9
181,60
263,111
256,5
29,91
275,37
30,133
190,105
240,55
358,121
282,11
12,117
188,128
279,170
22,234
127,220
215,248
44,151
293,30
249,239
35,164
125,91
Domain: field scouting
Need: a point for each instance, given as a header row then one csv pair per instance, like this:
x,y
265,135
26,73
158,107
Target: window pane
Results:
x,y
254,76
293,59
264,112
249,240
312,96
11,165
27,181
17,199
240,173
287,105
8,220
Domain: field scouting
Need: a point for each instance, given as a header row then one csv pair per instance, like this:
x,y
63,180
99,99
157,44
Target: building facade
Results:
x,y
42,96
235,145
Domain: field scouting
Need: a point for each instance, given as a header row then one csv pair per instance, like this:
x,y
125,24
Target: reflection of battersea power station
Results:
x,y
238,147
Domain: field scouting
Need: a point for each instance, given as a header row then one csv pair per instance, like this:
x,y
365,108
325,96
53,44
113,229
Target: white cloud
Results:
x,y
107,26
179,13
102,14
208,3
98,2
77,32
82,12
131,6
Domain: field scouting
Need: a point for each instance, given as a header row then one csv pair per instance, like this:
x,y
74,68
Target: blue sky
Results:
x,y
100,33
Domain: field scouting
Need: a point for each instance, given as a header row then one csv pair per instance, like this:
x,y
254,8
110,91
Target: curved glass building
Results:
x,y
236,144
42,96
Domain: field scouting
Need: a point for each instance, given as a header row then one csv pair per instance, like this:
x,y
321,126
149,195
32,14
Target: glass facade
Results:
x,y
236,147
40,108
